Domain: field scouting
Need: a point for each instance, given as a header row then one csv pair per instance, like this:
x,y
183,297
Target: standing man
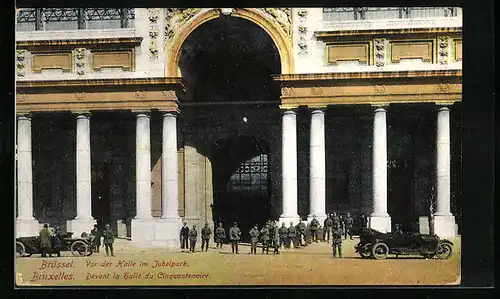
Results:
x,y
337,242
335,220
292,238
234,236
276,239
184,236
205,236
45,244
96,242
108,238
342,225
283,233
364,221
314,229
57,241
220,235
327,227
254,238
301,233
193,235
349,223
264,237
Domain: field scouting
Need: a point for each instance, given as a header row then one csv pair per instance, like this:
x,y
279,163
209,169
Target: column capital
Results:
x,y
315,110
378,106
81,114
170,113
443,108
142,113
25,115
289,111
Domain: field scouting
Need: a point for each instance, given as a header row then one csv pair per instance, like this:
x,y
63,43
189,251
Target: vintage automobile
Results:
x,y
378,245
26,246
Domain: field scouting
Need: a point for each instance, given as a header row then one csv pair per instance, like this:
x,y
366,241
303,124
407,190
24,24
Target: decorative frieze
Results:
x,y
443,50
153,14
283,16
80,61
21,62
302,31
380,52
175,18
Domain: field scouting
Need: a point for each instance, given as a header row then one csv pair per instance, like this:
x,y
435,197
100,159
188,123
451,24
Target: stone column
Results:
x,y
289,167
167,228
317,166
142,224
83,222
26,224
380,219
444,221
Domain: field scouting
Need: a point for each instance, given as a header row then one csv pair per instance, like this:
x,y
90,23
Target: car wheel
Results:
x,y
365,251
20,249
444,251
79,248
380,251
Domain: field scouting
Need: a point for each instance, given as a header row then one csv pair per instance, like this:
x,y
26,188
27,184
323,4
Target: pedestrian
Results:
x,y
108,237
193,236
264,238
45,242
337,242
327,227
314,229
349,223
184,236
57,241
335,220
283,233
364,221
205,236
275,239
96,241
220,235
254,238
234,236
342,224
292,236
300,232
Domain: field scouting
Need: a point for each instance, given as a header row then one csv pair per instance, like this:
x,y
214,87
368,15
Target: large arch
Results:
x,y
282,42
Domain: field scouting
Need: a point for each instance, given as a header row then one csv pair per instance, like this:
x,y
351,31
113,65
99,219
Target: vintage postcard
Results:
x,y
238,146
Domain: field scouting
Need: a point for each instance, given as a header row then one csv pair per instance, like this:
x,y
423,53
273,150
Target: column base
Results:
x,y
289,218
444,226
77,226
380,223
166,232
27,227
142,232
321,218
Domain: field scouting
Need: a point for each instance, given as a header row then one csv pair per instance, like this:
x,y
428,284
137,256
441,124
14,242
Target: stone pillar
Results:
x,y
26,224
317,166
444,221
380,219
142,223
83,222
289,168
168,226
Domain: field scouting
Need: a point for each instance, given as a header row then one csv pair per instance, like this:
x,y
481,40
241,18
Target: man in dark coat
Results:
x,y
327,227
264,238
335,220
45,242
184,236
314,229
57,241
193,236
220,235
234,236
337,242
254,238
96,241
275,237
292,236
283,233
300,231
364,221
349,223
205,237
108,238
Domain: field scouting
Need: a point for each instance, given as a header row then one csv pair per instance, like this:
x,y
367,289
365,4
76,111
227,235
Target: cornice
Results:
x,y
367,75
379,32
158,81
131,41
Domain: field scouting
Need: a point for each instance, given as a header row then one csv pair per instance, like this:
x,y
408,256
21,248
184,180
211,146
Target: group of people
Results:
x,y
108,238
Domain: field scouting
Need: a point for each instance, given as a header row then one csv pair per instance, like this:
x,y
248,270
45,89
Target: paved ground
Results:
x,y
311,265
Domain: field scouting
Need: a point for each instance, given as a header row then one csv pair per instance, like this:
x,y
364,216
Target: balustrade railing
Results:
x,y
335,14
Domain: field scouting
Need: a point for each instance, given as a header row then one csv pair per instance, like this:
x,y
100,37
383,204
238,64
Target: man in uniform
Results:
x,y
314,229
327,227
57,241
283,233
264,237
364,221
301,233
234,236
45,244
220,235
335,220
193,236
184,236
276,239
96,242
108,238
254,238
349,223
337,242
292,236
205,236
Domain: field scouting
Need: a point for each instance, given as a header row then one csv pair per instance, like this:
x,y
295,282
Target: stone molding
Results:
x,y
302,29
443,45
80,61
153,15
21,63
380,52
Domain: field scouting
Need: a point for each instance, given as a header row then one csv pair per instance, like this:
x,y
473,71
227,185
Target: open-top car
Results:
x,y
26,246
378,245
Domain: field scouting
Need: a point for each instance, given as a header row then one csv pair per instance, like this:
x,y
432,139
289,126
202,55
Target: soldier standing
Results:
x,y
301,232
184,236
57,241
96,242
335,220
205,236
364,221
292,236
314,229
276,239
264,237
327,225
45,244
220,235
193,235
337,242
349,222
342,224
108,239
254,238
283,234
234,236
